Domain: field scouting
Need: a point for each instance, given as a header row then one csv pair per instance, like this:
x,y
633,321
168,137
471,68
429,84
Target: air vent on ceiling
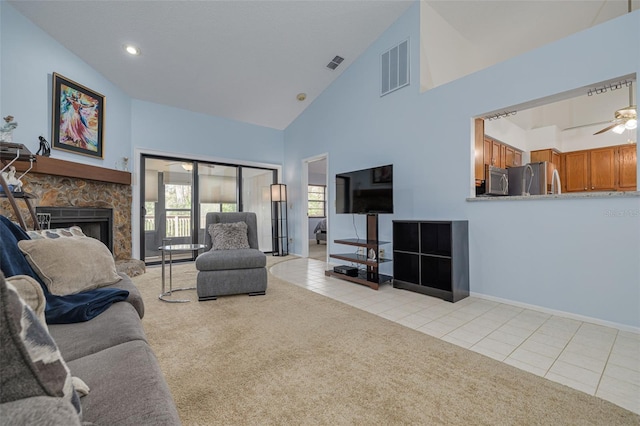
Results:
x,y
335,62
395,68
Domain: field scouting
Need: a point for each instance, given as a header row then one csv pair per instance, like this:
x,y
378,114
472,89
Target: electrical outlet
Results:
x,y
381,253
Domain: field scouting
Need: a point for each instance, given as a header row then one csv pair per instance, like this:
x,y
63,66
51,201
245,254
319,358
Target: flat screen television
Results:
x,y
365,191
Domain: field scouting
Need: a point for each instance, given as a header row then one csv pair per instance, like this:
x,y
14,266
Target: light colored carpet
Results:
x,y
297,357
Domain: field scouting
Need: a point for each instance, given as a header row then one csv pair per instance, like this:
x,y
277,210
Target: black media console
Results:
x,y
369,275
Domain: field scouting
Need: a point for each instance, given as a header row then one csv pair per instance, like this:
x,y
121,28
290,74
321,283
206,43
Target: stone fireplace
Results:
x,y
67,186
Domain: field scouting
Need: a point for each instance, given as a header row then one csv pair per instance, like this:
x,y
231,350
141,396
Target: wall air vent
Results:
x,y
394,68
335,62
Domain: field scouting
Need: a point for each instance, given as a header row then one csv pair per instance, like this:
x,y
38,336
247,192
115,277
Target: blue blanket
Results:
x,y
60,309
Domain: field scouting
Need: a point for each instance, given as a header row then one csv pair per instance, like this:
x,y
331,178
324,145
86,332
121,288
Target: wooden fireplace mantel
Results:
x,y
57,167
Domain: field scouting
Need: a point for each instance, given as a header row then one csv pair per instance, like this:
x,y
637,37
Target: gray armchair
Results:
x,y
237,271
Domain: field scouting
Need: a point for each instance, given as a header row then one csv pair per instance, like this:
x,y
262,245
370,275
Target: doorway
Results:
x,y
316,226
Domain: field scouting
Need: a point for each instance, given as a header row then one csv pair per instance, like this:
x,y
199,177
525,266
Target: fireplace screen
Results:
x,y
94,222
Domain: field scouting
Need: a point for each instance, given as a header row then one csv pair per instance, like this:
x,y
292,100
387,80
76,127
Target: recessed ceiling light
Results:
x,y
301,96
131,49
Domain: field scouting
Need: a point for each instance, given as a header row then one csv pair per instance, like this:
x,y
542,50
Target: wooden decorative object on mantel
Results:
x,y
57,167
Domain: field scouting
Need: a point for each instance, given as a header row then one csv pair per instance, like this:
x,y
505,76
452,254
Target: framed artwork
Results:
x,y
78,118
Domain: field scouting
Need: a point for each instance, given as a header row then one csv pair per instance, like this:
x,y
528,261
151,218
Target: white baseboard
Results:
x,y
577,317
584,318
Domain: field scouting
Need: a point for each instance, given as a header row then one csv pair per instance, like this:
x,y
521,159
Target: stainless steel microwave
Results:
x,y
496,181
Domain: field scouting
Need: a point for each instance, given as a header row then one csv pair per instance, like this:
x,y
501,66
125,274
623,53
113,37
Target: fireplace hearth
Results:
x,y
94,222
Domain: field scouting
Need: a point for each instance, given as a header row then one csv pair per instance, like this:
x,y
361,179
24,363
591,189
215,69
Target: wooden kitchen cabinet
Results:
x,y
627,167
485,157
576,171
487,154
479,150
602,172
497,154
517,158
550,155
601,169
492,152
512,157
502,155
509,156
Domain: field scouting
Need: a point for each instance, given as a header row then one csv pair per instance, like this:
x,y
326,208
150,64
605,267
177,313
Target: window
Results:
x,y
316,206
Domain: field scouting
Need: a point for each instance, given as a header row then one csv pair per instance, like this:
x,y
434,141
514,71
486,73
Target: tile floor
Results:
x,y
595,359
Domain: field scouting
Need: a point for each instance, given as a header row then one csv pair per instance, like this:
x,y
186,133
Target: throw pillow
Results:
x,y
229,236
71,265
74,231
31,362
31,293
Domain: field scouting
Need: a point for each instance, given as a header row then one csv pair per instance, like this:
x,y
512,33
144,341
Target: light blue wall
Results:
x,y
565,255
172,130
1,38
29,57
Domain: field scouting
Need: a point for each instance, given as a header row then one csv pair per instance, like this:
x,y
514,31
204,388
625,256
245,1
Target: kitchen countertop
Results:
x,y
570,195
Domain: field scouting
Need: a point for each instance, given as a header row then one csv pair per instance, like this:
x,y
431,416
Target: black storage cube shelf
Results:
x,y
432,257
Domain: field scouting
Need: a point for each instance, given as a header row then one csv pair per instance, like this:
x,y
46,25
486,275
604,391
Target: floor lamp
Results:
x,y
279,226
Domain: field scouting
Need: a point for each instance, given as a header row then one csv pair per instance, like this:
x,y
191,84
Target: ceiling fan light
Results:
x,y
631,124
619,129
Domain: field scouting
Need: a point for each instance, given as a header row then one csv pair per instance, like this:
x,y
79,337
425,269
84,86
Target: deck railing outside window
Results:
x,y
177,225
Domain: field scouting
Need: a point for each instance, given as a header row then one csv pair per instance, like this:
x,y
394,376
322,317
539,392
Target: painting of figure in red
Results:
x,y
78,118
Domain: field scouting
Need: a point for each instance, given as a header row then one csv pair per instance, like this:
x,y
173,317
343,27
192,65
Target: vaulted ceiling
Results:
x,y
248,60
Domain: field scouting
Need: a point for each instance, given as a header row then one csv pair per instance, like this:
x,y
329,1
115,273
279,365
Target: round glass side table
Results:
x,y
167,247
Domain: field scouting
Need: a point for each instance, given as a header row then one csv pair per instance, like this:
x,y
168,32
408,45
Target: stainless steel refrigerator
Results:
x,y
532,179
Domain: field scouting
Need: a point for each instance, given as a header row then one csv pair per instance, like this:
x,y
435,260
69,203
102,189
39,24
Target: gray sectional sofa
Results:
x,y
110,353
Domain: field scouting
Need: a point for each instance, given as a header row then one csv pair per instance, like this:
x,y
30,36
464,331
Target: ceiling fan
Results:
x,y
625,118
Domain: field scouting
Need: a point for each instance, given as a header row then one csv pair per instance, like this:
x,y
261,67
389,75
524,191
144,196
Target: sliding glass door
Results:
x,y
179,193
168,205
218,192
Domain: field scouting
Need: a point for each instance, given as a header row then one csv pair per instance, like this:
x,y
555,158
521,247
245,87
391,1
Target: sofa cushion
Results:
x,y
229,236
71,265
31,362
39,410
118,324
215,260
127,387
135,298
31,293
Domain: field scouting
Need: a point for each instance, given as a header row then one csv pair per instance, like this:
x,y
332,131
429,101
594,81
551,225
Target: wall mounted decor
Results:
x,y
78,118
